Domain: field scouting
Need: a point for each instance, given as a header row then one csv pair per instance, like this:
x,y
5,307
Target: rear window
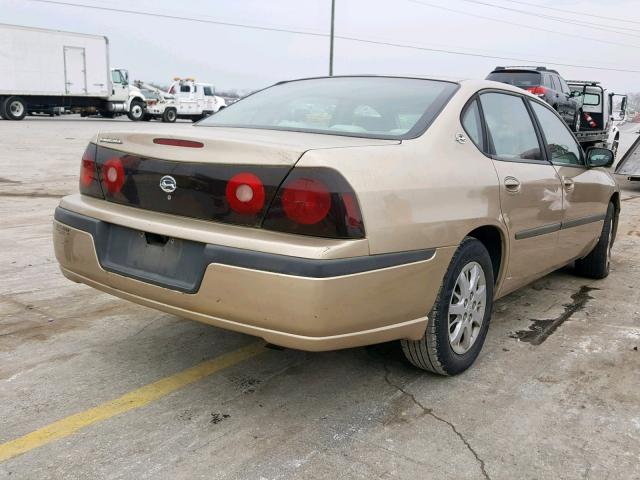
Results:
x,y
592,99
372,107
518,79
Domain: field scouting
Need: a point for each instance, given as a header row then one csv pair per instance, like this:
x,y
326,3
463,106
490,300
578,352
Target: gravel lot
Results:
x,y
566,408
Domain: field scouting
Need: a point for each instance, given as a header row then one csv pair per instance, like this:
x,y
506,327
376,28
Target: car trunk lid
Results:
x,y
190,175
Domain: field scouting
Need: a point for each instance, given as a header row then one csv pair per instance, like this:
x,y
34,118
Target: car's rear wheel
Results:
x,y
459,320
598,263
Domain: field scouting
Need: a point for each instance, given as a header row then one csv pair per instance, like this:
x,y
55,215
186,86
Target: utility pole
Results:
x,y
333,21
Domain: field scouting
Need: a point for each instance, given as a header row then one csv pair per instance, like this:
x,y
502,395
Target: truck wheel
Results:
x,y
15,108
146,117
169,115
136,110
598,263
458,322
2,102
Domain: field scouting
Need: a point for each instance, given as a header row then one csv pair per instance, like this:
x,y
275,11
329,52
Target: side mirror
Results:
x,y
599,157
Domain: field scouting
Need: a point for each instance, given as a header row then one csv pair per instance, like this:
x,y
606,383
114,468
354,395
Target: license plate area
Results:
x,y
158,259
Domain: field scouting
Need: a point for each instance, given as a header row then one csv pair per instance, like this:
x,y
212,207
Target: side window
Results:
x,y
116,77
185,89
563,85
511,133
555,83
473,125
207,91
563,147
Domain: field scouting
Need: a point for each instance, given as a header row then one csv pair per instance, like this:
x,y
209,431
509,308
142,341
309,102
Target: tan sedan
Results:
x,y
334,212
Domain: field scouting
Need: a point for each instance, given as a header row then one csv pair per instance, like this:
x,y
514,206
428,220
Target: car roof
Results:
x,y
524,69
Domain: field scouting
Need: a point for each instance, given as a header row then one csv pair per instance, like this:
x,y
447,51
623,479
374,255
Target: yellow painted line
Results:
x,y
129,401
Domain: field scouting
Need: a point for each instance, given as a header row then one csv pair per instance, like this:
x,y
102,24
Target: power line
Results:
x,y
596,26
341,37
468,54
592,15
188,19
523,25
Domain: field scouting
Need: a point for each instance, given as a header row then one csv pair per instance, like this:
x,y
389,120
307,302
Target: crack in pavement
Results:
x,y
429,411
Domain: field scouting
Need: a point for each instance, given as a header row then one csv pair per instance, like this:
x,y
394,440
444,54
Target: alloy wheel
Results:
x,y
467,307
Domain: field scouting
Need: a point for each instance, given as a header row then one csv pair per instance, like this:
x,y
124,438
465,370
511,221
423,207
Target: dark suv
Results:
x,y
546,84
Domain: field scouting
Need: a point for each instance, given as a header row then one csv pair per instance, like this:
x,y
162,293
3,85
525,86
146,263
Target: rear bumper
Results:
x,y
303,303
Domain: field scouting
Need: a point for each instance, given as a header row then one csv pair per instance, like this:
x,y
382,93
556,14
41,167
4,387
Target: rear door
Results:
x,y
569,106
75,75
586,192
530,189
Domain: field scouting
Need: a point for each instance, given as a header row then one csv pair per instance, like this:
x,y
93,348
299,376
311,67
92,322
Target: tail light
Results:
x,y
89,180
245,193
315,201
113,175
539,91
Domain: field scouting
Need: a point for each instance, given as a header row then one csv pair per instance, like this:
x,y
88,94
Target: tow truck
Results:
x,y
193,100
160,105
597,126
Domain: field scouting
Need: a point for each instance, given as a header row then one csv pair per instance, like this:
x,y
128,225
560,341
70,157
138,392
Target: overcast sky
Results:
x,y
157,49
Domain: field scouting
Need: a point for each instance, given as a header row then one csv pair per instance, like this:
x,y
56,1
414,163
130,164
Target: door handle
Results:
x,y
568,183
512,184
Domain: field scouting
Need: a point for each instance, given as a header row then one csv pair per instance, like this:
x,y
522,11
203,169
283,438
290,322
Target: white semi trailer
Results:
x,y
41,70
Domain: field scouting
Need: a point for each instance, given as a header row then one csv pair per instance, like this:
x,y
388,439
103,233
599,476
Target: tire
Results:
x,y
169,115
435,351
136,111
147,118
598,263
15,108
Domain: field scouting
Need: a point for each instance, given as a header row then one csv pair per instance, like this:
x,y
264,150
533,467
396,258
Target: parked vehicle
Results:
x,y
334,212
629,165
160,105
546,84
599,116
42,70
195,101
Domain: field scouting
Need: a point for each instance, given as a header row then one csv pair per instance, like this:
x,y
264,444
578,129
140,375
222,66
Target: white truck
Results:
x,y
160,105
41,70
194,100
600,110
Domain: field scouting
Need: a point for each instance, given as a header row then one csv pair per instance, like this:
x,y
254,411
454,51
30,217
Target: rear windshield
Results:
x,y
372,107
518,79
